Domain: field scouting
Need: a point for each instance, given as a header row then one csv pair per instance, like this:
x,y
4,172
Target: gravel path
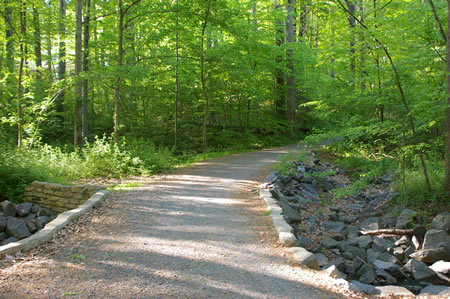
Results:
x,y
198,232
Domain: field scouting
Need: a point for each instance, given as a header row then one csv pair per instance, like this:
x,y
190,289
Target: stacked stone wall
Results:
x,y
58,198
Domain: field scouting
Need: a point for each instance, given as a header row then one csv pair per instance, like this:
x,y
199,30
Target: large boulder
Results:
x,y
419,270
370,223
23,209
45,212
441,221
304,257
393,291
434,237
440,252
391,268
8,208
441,267
289,214
334,226
17,228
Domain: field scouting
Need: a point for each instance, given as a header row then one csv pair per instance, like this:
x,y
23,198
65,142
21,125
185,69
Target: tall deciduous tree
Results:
x,y
202,74
447,109
78,138
290,78
62,56
85,114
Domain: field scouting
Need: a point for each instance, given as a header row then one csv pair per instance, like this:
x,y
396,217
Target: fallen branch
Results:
x,y
387,231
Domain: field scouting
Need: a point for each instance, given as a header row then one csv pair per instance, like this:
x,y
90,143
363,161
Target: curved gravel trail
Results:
x,y
198,232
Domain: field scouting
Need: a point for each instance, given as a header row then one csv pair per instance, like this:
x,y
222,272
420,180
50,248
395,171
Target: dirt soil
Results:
x,y
198,232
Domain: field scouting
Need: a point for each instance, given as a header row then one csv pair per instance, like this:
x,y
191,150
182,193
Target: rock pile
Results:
x,y
18,221
359,238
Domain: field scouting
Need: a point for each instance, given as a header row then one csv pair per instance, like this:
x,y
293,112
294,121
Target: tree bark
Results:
x,y
280,100
38,54
118,79
351,22
77,139
177,85
290,78
21,67
9,37
85,113
202,75
447,111
62,57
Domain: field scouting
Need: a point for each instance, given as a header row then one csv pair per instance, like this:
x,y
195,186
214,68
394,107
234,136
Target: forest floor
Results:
x,y
200,231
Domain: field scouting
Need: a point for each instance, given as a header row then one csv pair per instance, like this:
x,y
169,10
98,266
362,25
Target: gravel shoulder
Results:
x,y
198,232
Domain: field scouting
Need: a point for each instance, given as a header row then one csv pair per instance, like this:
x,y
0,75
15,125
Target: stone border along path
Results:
x,y
199,232
47,233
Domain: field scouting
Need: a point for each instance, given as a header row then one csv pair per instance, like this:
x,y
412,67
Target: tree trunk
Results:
x,y
280,100
202,75
118,79
351,22
177,87
21,67
9,37
290,78
38,54
77,139
447,111
62,57
85,113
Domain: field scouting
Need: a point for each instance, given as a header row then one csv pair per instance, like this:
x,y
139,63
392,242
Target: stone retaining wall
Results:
x,y
58,198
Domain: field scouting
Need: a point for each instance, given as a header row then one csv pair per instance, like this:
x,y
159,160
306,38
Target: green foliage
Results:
x,y
287,162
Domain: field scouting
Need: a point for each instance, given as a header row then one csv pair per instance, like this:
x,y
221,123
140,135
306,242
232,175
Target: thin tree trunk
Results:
x,y
78,140
176,82
38,54
9,37
21,67
62,58
438,22
290,78
85,113
202,75
351,21
447,112
118,79
280,100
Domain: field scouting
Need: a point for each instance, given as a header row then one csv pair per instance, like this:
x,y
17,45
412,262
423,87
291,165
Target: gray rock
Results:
x,y
441,221
23,209
329,243
334,272
289,214
441,267
36,207
9,240
31,224
2,223
45,212
431,255
310,224
370,223
333,216
304,257
41,221
391,268
389,291
419,270
347,255
316,249
351,232
373,255
8,208
359,287
363,269
385,276
336,251
434,237
406,255
368,277
404,219
3,236
325,185
273,177
361,241
285,179
338,237
17,228
334,226
339,263
348,219
304,242
382,245
356,251
322,260
399,253
433,290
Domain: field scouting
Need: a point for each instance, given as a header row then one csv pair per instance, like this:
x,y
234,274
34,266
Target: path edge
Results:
x,y
54,226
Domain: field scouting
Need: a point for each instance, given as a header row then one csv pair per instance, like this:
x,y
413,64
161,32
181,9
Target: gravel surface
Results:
x,y
198,232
